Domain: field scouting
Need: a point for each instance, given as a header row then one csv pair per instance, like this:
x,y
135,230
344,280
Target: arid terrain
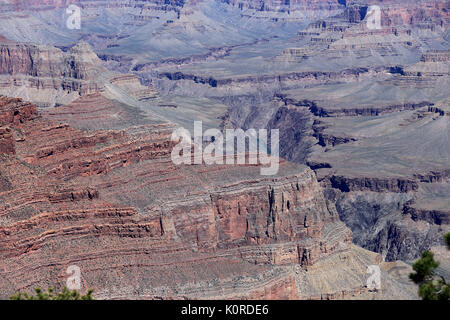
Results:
x,y
86,122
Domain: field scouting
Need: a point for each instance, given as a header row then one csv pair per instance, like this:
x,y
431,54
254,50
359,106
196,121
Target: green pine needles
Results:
x,y
431,287
65,294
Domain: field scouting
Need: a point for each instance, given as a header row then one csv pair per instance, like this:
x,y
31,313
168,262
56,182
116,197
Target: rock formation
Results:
x,y
138,226
365,108
48,76
88,179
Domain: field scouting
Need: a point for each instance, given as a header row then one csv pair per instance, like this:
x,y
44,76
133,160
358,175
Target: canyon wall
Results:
x,y
113,203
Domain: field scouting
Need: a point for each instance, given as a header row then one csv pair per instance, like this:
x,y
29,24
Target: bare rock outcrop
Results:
x,y
114,204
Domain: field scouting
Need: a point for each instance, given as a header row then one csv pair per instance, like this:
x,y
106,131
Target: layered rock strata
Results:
x,y
113,203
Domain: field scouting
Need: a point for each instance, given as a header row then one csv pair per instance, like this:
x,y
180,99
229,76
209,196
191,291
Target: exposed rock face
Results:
x,y
79,63
15,111
438,217
280,6
380,223
347,184
93,183
369,111
283,79
294,125
30,60
95,112
47,74
396,13
379,125
434,63
131,84
6,141
113,203
53,77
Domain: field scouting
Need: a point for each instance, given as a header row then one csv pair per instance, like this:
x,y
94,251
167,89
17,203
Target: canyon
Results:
x,y
86,118
112,203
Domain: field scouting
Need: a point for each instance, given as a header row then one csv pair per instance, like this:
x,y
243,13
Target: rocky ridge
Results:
x,y
345,93
48,76
350,107
113,203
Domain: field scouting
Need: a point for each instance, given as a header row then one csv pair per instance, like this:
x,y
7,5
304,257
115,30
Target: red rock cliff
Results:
x,y
113,203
